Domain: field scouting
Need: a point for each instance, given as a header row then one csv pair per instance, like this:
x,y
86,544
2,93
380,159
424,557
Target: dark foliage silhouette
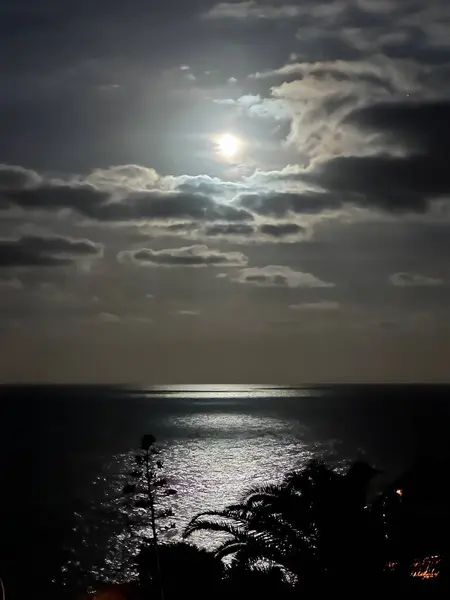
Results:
x,y
187,571
314,526
313,534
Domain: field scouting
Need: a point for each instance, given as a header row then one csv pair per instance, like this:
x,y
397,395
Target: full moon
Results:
x,y
228,145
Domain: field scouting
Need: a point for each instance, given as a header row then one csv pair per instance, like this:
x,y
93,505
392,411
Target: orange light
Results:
x,y
427,568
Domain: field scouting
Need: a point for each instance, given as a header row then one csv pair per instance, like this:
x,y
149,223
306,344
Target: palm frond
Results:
x,y
268,489
215,513
229,547
211,524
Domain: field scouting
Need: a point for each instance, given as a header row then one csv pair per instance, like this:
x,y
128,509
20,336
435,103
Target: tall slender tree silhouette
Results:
x,y
145,488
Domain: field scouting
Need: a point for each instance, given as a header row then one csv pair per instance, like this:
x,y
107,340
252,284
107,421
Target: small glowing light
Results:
x,y
427,568
399,492
228,145
424,568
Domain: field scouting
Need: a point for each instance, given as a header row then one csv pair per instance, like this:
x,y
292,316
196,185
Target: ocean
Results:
x,y
65,452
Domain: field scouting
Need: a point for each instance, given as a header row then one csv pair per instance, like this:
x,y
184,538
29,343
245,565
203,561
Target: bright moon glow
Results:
x,y
228,145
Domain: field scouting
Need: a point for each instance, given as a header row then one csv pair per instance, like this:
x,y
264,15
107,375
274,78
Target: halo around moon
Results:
x,y
228,145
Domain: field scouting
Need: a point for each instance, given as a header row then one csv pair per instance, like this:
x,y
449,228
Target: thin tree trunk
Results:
x,y
153,523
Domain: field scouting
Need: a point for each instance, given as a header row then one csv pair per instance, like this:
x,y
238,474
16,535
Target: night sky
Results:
x,y
202,192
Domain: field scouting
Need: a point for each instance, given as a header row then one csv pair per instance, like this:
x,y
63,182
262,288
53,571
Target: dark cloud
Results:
x,y
405,182
94,203
422,127
159,205
228,229
13,177
243,232
281,229
397,184
33,251
407,169
280,204
187,256
181,227
84,199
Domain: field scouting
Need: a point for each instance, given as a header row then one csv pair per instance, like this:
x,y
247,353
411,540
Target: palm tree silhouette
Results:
x,y
314,526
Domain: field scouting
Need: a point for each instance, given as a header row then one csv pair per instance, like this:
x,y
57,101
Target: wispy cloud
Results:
x,y
414,280
279,276
252,9
323,305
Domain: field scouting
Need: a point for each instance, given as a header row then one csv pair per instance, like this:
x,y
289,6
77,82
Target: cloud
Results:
x,y
330,76
180,206
130,177
323,14
138,319
186,206
414,280
243,233
348,30
407,167
37,251
106,317
323,305
11,284
279,276
16,177
203,184
396,184
52,293
280,204
187,256
422,127
188,313
318,96
100,201
252,10
82,198
226,229
281,229
183,227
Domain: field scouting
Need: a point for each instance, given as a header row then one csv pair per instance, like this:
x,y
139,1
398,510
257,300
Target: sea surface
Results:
x,y
65,452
